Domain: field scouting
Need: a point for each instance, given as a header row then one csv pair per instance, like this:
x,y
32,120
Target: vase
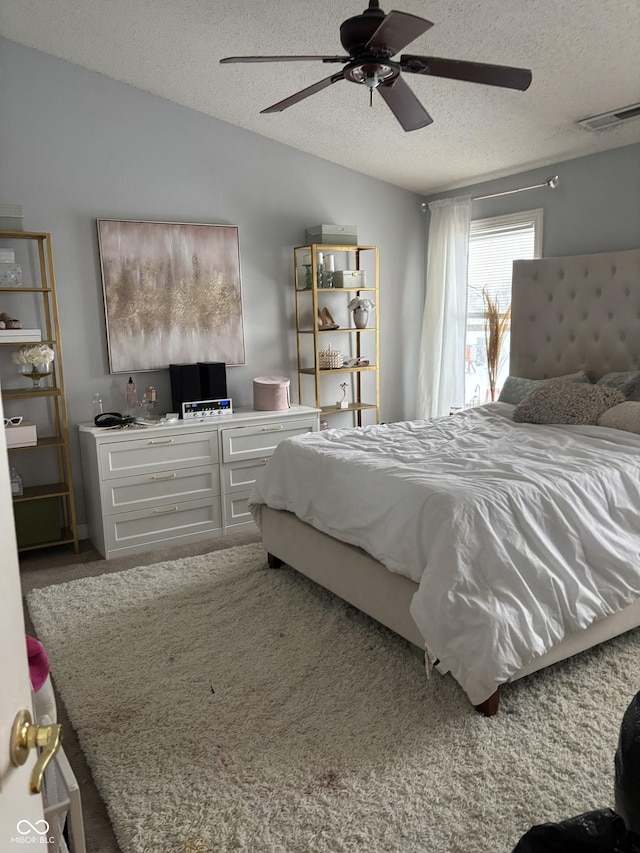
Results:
x,y
360,318
36,372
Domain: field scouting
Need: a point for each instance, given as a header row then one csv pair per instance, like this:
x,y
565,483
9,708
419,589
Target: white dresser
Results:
x,y
157,486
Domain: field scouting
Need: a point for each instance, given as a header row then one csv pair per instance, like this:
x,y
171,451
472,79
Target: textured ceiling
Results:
x,y
583,53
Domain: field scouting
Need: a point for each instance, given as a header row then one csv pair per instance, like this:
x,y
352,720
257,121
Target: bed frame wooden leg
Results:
x,y
274,562
490,706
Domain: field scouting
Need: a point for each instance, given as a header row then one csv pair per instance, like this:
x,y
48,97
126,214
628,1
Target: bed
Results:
x,y
568,314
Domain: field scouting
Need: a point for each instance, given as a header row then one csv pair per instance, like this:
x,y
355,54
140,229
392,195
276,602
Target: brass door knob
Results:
x,y
25,735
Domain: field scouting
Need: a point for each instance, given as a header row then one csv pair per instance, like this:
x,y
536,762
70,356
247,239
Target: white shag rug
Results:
x,y
224,706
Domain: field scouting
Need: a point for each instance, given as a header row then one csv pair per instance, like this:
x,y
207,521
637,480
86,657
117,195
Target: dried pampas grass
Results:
x,y
495,328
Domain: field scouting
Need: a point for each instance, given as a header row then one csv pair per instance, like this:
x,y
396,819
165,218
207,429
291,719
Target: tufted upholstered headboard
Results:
x,y
576,313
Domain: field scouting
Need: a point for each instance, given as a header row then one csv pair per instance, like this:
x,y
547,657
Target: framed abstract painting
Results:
x,y
172,293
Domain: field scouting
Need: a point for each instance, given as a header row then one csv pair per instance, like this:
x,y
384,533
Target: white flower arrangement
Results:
x,y
361,302
33,354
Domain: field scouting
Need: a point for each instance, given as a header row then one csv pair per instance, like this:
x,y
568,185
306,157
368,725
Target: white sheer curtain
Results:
x,y
441,366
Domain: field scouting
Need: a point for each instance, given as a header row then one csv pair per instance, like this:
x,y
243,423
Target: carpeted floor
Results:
x,y
48,566
223,706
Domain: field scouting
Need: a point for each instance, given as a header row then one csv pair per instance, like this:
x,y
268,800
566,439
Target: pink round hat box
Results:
x,y
271,393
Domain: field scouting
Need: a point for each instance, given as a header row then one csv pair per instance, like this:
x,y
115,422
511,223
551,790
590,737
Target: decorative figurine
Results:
x,y
342,404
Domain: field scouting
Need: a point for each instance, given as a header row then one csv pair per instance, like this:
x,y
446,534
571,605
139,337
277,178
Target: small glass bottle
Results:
x,y
97,405
149,401
131,396
16,483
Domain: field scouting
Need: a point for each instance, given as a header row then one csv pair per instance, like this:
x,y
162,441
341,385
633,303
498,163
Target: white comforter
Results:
x,y
517,534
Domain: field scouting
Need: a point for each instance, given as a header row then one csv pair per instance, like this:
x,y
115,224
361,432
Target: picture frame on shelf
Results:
x,y
172,293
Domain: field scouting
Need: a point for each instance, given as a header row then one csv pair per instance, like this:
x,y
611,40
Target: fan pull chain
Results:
x,y
370,97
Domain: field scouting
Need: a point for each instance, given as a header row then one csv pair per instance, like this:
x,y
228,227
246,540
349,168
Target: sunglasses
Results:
x,y
13,421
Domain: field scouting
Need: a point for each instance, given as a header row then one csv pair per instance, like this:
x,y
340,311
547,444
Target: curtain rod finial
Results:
x,y
553,182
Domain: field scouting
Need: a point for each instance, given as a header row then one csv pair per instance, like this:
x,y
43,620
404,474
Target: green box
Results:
x,y
37,521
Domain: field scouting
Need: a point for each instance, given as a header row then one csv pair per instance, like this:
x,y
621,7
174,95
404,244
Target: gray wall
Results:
x,y
595,208
76,146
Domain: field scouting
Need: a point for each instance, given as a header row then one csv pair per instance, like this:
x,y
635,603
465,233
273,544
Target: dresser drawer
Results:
x,y
254,441
236,509
165,522
237,476
158,453
149,490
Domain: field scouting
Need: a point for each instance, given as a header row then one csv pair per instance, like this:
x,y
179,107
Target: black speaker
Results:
x,y
213,380
185,385
206,380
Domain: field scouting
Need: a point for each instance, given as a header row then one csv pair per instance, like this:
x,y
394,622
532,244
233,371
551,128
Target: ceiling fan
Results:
x,y
371,39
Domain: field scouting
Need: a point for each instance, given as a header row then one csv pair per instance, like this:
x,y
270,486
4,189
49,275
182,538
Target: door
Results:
x,y
21,813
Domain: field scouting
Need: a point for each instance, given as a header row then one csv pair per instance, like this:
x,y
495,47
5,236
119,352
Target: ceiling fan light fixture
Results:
x,y
371,74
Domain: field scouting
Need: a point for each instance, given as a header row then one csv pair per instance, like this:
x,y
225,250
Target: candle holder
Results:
x,y
308,271
328,271
308,277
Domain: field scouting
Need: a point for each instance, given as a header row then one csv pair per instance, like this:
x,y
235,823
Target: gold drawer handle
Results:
x,y
161,510
25,736
161,441
273,428
264,461
171,476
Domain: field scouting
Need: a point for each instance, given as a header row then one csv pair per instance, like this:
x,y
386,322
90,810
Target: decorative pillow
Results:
x,y
515,388
627,381
566,403
623,416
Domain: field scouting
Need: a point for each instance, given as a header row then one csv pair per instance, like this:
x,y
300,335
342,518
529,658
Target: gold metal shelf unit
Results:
x,y
311,340
44,506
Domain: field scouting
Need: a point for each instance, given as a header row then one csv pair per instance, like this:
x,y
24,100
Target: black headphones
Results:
x,y
112,419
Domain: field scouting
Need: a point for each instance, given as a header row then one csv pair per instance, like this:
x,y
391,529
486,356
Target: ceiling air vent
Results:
x,y
609,119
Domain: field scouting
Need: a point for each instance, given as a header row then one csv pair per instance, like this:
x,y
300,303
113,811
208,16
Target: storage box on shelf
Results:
x,y
329,345
332,234
45,513
23,434
20,336
147,488
350,278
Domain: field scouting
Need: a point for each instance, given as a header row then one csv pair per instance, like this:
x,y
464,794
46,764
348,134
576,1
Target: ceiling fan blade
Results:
x,y
404,105
472,72
229,59
304,93
396,31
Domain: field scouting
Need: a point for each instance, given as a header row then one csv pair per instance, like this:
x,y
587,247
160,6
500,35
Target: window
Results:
x,y
494,244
